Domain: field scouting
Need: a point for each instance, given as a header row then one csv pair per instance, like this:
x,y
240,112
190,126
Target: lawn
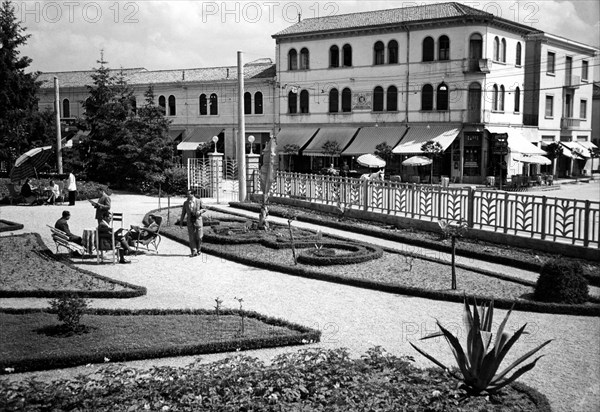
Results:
x,y
34,340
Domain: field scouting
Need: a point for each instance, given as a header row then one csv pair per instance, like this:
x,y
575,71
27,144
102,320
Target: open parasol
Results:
x,y
370,160
28,163
417,161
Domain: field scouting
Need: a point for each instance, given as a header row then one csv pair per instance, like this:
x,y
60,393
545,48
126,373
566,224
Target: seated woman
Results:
x,y
54,193
143,233
29,192
105,238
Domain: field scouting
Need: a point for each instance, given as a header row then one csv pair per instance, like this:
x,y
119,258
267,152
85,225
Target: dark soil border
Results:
x,y
590,309
10,226
305,335
461,250
99,294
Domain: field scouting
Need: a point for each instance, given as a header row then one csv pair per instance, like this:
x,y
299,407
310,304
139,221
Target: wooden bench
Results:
x,y
61,239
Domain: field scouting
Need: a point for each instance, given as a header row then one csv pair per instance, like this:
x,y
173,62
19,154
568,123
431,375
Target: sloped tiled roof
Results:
x,y
78,78
382,18
262,69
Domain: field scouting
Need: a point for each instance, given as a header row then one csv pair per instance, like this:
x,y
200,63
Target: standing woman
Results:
x,y
72,188
193,210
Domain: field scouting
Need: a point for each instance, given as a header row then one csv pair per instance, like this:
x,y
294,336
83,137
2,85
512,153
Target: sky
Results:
x,y
158,35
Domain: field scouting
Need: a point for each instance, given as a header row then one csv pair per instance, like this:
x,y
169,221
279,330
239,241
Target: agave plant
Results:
x,y
479,364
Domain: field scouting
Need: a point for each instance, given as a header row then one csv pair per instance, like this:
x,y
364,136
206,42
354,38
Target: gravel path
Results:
x,y
569,373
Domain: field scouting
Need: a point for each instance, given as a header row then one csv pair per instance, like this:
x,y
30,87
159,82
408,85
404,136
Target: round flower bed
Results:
x,y
339,254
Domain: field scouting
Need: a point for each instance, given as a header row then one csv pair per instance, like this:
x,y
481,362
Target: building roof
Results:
x,y
387,17
259,69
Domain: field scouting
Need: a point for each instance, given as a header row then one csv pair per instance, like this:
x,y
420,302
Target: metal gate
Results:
x,y
230,185
214,178
199,177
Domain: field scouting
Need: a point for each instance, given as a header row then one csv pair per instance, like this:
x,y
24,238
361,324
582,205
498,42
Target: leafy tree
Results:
x,y
434,150
384,150
331,148
554,151
21,125
290,150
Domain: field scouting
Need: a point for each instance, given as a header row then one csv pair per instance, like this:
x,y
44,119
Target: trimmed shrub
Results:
x,y
561,281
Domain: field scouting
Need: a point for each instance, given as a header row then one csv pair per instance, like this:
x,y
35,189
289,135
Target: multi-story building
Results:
x,y
490,91
201,103
442,72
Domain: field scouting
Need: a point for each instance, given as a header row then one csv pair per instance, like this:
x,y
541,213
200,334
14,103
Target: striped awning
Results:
x,y
199,135
369,137
299,136
518,140
575,150
417,135
175,134
341,135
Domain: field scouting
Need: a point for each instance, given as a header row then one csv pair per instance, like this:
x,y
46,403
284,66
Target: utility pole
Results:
x,y
241,146
58,134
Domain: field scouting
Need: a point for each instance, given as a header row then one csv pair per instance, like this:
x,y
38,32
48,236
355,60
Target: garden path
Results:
x,y
349,317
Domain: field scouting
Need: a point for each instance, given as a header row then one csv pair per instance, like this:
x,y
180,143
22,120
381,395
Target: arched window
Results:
x,y
442,97
517,100
162,103
501,105
393,52
292,60
518,55
247,103
202,104
258,103
66,108
378,53
475,46
347,50
292,102
496,49
304,101
392,99
503,52
304,59
214,104
346,100
378,99
334,56
495,97
444,48
428,49
172,106
427,97
334,101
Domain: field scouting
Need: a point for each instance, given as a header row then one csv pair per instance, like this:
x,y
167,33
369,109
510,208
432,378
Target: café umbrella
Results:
x,y
29,162
370,160
417,161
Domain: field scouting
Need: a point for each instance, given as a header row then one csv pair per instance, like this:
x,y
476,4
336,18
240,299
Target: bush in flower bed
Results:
x,y
307,380
357,254
563,282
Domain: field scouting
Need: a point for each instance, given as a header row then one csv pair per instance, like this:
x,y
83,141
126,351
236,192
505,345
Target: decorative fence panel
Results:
x,y
199,176
541,217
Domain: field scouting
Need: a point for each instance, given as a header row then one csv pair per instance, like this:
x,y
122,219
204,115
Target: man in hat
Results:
x,y
61,224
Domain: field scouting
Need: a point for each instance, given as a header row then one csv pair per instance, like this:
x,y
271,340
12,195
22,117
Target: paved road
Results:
x,y
349,317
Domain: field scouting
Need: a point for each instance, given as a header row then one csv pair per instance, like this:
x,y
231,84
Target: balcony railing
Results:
x,y
568,123
477,65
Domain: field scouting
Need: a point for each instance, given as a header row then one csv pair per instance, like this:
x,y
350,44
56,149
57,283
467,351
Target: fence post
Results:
x,y
470,205
586,222
366,194
544,223
505,212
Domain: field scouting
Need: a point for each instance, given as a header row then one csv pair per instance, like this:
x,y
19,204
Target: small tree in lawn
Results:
x,y
433,150
554,151
331,148
453,231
